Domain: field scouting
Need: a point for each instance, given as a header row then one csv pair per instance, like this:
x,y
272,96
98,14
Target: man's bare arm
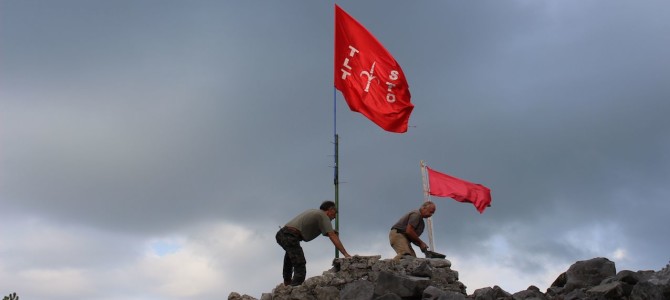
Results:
x,y
411,234
338,244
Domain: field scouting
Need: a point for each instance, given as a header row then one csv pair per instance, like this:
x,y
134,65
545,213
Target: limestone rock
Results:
x,y
648,290
587,273
613,290
532,293
236,296
491,293
389,296
401,285
358,290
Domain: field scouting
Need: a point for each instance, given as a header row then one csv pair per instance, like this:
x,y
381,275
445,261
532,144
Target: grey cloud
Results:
x,y
133,121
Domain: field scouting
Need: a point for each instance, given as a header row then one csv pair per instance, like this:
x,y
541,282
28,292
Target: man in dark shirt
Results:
x,y
408,229
306,227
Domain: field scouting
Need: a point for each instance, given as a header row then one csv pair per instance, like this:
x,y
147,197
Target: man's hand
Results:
x,y
423,247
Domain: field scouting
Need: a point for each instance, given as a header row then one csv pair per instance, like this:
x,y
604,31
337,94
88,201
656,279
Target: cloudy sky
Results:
x,y
151,149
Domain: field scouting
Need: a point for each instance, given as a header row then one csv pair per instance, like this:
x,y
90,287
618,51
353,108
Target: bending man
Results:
x,y
306,227
408,229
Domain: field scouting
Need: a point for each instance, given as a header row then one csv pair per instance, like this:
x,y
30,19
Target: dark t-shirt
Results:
x,y
412,218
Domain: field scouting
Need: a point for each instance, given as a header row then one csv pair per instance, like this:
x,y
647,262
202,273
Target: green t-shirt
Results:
x,y
412,218
311,223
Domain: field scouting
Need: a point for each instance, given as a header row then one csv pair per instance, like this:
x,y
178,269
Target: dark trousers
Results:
x,y
295,268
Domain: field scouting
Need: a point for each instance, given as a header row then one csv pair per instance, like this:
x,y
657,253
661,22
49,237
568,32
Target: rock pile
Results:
x,y
371,278
597,279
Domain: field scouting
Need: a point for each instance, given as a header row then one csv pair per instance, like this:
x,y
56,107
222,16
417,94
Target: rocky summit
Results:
x,y
373,278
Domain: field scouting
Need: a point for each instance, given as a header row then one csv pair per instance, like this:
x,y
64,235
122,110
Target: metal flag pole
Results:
x,y
336,180
426,197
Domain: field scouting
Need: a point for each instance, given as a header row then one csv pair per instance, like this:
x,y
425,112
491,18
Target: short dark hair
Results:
x,y
326,205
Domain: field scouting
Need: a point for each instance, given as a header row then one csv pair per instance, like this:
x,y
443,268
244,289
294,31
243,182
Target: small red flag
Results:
x,y
443,185
370,79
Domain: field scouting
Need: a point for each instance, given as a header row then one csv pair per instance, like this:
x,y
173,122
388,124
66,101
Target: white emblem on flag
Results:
x,y
370,75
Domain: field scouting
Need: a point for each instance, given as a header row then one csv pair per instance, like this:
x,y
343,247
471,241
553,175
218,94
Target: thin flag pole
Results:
x,y
336,180
426,198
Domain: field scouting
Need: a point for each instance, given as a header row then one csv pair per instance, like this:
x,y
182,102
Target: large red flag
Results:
x,y
370,79
443,185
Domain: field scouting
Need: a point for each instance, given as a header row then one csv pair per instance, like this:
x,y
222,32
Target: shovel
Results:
x,y
432,254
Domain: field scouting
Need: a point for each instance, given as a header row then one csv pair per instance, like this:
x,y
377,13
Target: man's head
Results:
x,y
427,209
330,209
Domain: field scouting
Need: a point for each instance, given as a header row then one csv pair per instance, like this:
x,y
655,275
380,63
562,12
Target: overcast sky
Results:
x,y
151,149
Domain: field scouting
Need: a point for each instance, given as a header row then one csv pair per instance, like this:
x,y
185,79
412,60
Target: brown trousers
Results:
x,y
400,244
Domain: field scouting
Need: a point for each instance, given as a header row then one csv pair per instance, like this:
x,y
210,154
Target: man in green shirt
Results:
x,y
306,227
408,229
